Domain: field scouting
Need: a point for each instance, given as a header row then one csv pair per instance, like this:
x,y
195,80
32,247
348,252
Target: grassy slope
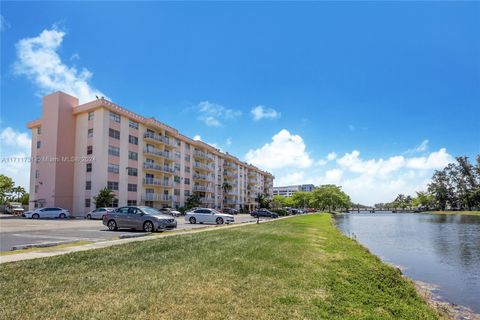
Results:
x,y
472,213
295,268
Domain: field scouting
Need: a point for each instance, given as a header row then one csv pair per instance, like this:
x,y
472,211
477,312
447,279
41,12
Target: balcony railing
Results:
x,y
203,155
156,197
157,152
203,166
157,167
228,174
205,177
207,200
159,138
158,182
202,188
229,201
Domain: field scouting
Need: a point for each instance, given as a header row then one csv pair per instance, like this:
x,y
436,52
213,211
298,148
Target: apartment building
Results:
x,y
77,150
288,191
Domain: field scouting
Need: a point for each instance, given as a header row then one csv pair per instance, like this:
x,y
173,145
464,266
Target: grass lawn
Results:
x,y
297,268
472,213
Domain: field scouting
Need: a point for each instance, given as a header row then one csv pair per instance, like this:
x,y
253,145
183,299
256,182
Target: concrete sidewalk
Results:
x,y
50,252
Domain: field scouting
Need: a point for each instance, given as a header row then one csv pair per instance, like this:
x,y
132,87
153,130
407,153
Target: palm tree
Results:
x,y
226,187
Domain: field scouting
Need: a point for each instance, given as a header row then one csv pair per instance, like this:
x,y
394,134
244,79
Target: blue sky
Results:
x,y
371,96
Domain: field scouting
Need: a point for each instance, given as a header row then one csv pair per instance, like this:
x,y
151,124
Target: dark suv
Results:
x,y
263,213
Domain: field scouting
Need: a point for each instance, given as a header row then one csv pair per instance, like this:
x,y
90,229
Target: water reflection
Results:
x,y
438,249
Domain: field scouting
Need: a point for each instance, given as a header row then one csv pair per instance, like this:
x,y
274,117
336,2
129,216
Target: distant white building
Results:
x,y
288,191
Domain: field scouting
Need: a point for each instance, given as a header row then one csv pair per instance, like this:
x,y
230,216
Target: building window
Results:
x,y
112,185
132,155
176,179
36,189
132,124
115,134
187,181
186,193
114,151
39,130
113,168
39,144
89,167
89,149
115,203
149,203
132,139
37,174
87,203
187,157
88,185
90,133
90,115
187,169
131,202
132,172
176,166
132,187
187,146
114,117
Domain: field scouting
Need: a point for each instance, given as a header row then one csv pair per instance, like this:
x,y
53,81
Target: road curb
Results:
x,y
41,245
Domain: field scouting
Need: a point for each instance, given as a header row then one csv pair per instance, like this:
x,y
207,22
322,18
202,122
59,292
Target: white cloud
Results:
x,y
197,137
262,112
37,58
422,147
285,150
331,156
353,163
229,141
15,149
213,114
435,160
4,25
289,179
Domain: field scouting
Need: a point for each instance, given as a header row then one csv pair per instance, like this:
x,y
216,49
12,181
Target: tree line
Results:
x,y
9,192
325,197
455,187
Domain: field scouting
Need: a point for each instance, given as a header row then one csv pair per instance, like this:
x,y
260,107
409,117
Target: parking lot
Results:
x,y
20,231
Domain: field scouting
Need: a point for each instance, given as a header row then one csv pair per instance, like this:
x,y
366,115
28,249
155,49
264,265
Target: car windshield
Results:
x,y
151,211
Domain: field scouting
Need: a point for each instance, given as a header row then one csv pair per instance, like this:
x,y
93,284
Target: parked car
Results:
x,y
138,217
230,211
263,213
207,215
98,213
170,211
47,213
14,208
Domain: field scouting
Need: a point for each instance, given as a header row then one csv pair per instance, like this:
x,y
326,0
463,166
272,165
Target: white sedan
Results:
x,y
98,213
47,213
206,215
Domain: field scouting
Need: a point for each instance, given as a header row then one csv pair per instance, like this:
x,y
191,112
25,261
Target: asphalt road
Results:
x,y
20,231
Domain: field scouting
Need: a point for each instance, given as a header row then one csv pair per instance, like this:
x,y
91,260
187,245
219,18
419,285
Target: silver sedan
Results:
x,y
140,218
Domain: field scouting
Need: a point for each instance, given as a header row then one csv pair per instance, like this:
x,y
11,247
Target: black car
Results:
x,y
263,213
230,211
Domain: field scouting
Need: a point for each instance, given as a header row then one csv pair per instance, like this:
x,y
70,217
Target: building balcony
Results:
x,y
203,155
158,153
229,166
229,174
202,177
229,201
159,168
157,197
202,188
207,200
202,166
158,182
159,138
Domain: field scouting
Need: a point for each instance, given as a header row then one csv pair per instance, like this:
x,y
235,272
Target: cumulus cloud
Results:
x,y
38,59
262,112
197,137
14,159
285,150
213,114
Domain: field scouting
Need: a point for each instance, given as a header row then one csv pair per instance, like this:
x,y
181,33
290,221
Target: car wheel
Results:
x,y
89,217
219,221
35,216
148,226
112,225
62,216
192,220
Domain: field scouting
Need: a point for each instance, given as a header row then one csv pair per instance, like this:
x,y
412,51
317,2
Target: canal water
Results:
x,y
443,250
